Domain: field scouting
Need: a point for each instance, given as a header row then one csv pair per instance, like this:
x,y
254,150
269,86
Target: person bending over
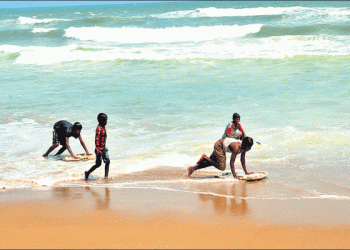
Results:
x,y
62,130
218,157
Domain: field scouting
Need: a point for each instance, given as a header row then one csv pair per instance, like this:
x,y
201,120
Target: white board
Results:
x,y
251,177
82,157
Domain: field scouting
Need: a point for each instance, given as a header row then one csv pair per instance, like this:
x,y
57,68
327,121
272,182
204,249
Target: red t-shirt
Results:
x,y
232,127
100,138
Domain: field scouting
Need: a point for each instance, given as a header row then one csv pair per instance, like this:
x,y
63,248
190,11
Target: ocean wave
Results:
x,y
9,56
9,36
42,30
29,20
297,11
161,35
228,12
103,20
264,48
50,32
307,30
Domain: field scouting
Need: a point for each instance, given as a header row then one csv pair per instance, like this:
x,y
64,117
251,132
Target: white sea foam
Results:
x,y
328,196
29,20
42,30
298,12
273,47
11,48
229,12
160,35
339,12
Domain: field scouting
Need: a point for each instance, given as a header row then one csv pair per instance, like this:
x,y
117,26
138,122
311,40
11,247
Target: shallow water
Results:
x,y
169,76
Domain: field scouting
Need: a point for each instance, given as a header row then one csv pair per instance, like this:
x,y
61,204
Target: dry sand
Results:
x,y
91,217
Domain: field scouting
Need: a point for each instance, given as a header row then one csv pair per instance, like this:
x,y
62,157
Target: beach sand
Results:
x,y
103,217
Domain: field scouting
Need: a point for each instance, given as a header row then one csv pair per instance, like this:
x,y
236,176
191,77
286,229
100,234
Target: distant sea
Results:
x,y
169,75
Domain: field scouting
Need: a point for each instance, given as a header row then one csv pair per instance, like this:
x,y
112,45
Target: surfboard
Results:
x,y
252,177
82,157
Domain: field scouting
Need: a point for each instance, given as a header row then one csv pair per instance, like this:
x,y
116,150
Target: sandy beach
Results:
x,y
170,75
102,217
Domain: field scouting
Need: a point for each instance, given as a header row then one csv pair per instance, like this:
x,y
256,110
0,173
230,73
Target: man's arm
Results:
x,y
69,149
232,164
234,147
243,164
83,144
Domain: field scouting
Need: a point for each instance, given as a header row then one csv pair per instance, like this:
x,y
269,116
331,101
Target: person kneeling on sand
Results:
x,y
62,130
218,157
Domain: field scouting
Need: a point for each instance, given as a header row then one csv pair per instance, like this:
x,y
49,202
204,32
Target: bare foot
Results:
x,y
190,170
44,155
86,175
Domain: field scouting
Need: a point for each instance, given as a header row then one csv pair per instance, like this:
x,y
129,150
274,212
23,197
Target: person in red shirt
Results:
x,y
100,141
232,127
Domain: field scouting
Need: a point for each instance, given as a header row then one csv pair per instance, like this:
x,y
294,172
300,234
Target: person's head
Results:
x,y
77,127
236,118
247,143
102,119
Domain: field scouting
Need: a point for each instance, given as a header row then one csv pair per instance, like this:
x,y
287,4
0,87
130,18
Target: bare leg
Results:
x,y
203,162
92,169
61,150
50,149
97,165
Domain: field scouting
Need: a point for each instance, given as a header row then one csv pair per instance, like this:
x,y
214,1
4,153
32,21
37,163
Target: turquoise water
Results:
x,y
170,75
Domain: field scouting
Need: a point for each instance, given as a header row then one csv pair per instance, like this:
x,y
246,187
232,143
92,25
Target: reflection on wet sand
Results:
x,y
236,205
102,201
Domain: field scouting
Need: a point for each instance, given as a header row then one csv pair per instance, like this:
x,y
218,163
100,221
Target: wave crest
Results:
x,y
161,35
227,12
29,20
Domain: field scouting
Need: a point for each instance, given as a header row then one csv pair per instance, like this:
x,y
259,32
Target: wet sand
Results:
x,y
102,217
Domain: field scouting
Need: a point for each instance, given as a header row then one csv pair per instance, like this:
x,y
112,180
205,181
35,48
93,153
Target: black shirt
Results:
x,y
64,129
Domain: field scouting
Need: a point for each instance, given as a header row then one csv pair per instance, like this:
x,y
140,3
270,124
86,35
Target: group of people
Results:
x,y
234,141
63,129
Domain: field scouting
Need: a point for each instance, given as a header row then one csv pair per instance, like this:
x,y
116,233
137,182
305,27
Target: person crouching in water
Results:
x,y
100,141
218,157
62,131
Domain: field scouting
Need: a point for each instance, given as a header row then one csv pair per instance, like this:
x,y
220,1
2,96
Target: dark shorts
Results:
x,y
104,155
56,139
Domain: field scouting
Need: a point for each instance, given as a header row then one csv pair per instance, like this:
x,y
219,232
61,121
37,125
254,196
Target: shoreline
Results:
x,y
101,217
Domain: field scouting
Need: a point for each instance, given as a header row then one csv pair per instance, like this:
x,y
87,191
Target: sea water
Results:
x,y
169,75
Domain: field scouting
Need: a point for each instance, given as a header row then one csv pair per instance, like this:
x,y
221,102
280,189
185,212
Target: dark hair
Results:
x,y
77,126
247,142
235,115
101,118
